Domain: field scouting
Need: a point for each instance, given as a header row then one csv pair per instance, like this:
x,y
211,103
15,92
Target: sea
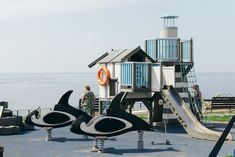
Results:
x,y
33,90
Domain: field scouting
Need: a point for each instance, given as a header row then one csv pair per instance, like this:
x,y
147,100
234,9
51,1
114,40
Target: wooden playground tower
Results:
x,y
142,74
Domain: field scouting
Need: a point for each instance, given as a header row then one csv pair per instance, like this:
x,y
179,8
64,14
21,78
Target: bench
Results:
x,y
223,103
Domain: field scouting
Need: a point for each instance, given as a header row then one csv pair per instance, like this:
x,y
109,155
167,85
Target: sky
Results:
x,y
66,35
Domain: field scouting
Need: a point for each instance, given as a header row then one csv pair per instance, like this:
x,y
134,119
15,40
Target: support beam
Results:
x,y
149,105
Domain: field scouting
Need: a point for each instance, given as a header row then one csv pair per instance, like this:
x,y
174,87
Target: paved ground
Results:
x,y
67,144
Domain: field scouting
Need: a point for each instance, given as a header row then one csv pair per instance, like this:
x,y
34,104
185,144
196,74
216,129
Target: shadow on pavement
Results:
x,y
123,151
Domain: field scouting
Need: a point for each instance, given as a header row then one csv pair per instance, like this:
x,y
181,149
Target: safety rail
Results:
x,y
25,112
126,74
186,51
169,49
135,76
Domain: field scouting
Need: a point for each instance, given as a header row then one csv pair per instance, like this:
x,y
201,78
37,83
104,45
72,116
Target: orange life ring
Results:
x,y
103,71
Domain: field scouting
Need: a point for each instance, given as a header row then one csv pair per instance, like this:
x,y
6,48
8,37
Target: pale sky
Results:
x,y
66,35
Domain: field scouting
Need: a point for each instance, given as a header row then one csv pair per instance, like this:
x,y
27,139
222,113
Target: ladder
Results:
x,y
188,76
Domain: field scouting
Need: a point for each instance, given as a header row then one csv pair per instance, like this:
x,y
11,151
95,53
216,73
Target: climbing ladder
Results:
x,y
189,77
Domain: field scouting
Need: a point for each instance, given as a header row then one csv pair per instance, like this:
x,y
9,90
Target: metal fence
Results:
x,y
25,112
43,111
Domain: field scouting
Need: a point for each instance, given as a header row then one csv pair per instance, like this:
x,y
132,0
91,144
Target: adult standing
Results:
x,y
197,98
88,101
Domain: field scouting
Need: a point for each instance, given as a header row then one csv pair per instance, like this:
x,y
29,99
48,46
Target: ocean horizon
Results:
x,y
31,90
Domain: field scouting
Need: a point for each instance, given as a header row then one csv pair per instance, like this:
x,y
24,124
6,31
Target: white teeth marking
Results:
x,y
91,129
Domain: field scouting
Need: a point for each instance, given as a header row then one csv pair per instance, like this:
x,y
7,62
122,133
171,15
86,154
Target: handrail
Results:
x,y
222,138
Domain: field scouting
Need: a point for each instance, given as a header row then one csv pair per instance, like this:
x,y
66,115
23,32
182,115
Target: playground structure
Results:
x,y
161,76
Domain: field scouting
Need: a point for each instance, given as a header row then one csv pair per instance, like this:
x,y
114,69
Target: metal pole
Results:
x,y
48,134
140,144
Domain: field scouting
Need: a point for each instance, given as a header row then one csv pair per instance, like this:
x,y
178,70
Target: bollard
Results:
x,y
1,151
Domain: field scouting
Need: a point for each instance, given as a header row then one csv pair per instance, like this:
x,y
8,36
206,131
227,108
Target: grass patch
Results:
x,y
222,118
143,116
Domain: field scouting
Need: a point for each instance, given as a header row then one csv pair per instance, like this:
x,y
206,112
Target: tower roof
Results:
x,y
169,16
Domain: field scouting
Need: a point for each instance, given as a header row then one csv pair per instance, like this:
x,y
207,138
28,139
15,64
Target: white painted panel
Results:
x,y
168,75
110,67
156,78
101,91
183,95
181,84
104,90
118,71
178,75
118,74
1,110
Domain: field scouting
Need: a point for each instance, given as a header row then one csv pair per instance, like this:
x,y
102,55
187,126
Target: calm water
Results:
x,y
24,91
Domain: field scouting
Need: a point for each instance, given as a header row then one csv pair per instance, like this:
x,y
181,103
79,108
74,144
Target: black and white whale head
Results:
x,y
114,123
34,113
63,105
62,115
53,119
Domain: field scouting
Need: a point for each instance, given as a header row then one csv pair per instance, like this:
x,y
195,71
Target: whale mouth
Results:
x,y
60,118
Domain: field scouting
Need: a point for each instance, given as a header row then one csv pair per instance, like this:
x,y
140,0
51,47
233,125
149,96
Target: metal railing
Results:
x,y
25,112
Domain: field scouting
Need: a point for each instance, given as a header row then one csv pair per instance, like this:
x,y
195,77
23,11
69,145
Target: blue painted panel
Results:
x,y
126,74
186,50
167,49
150,48
142,74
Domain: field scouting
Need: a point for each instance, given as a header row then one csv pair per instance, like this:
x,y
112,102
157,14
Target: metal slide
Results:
x,y
191,125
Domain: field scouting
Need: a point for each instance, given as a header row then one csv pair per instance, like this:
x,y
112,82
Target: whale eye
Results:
x,y
109,125
55,118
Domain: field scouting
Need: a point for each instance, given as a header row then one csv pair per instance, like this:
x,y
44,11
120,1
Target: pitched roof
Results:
x,y
116,56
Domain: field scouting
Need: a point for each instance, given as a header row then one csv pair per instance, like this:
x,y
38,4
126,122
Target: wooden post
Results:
x,y
191,50
158,110
179,52
1,151
156,51
150,108
151,114
133,76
